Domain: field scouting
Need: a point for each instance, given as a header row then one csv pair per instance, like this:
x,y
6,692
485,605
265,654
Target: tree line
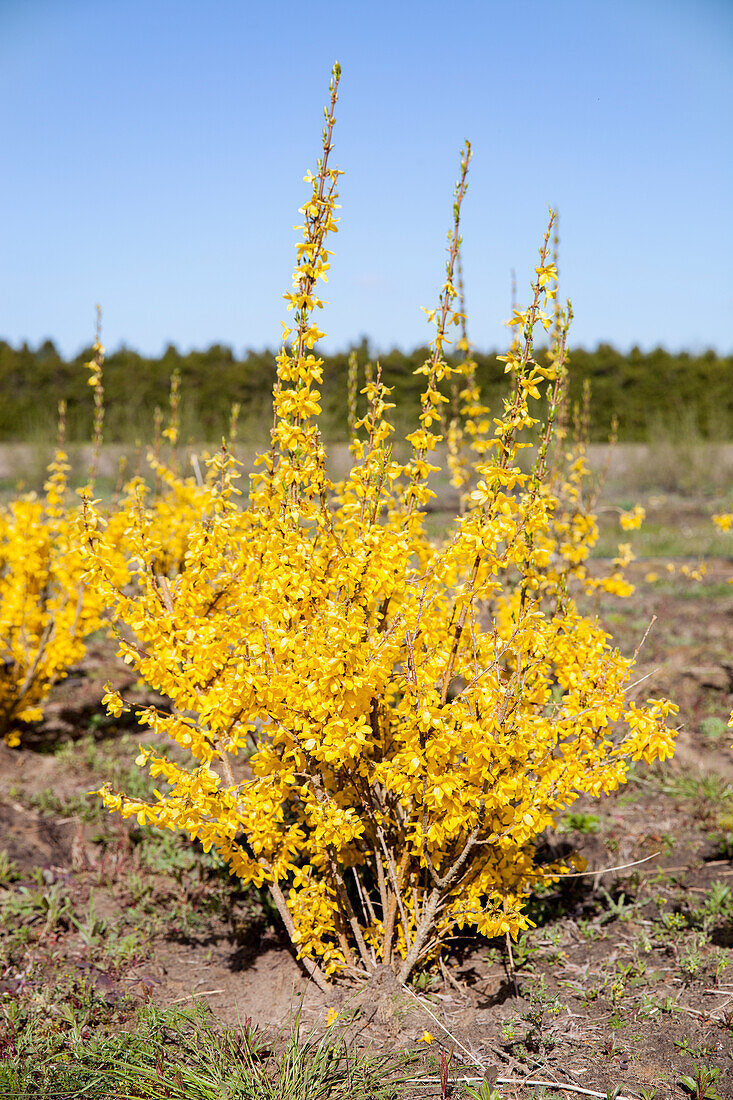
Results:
x,y
649,393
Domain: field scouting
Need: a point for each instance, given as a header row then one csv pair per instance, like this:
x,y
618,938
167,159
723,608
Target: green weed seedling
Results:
x,y
120,949
45,903
720,962
92,930
578,822
717,905
618,909
642,943
673,922
702,1085
8,869
714,728
523,951
509,1031
85,807
668,842
618,1022
684,1047
723,845
485,1091
707,789
592,992
423,982
590,930
543,1006
654,1007
691,960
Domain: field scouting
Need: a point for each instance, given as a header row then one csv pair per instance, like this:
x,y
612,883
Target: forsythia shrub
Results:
x,y
414,713
46,611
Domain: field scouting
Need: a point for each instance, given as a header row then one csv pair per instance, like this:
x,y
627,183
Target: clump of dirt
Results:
x,y
34,840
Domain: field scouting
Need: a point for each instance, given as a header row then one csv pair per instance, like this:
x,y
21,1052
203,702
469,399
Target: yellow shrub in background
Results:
x,y
170,501
46,610
413,712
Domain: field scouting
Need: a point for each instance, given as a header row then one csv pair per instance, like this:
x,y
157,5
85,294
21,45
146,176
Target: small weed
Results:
x,y
673,922
8,869
714,728
653,1007
707,790
93,928
618,908
668,842
590,930
543,1007
121,949
691,960
49,904
509,1031
722,845
553,936
642,943
85,807
485,1091
578,822
523,951
423,981
720,962
701,1086
684,1047
717,905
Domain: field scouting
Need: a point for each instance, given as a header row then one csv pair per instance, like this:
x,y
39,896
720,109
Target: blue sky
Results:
x,y
154,152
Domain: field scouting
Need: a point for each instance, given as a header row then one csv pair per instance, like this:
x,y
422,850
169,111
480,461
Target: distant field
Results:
x,y
671,475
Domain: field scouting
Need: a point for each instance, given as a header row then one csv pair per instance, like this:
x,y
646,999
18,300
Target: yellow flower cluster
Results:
x,y
632,521
410,715
46,611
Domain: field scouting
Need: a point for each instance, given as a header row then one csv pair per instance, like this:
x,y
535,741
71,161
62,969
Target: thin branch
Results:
x,y
603,870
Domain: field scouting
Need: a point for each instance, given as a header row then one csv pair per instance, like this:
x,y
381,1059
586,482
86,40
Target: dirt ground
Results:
x,y
626,981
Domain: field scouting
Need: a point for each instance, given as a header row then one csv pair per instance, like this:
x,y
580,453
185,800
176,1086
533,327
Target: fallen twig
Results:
x,y
605,870
528,1081
202,993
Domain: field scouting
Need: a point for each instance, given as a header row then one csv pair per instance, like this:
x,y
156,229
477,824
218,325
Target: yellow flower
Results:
x,y
332,1017
112,700
632,520
427,1037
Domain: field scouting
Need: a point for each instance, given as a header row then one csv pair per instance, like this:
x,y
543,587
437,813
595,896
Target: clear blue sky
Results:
x,y
153,155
